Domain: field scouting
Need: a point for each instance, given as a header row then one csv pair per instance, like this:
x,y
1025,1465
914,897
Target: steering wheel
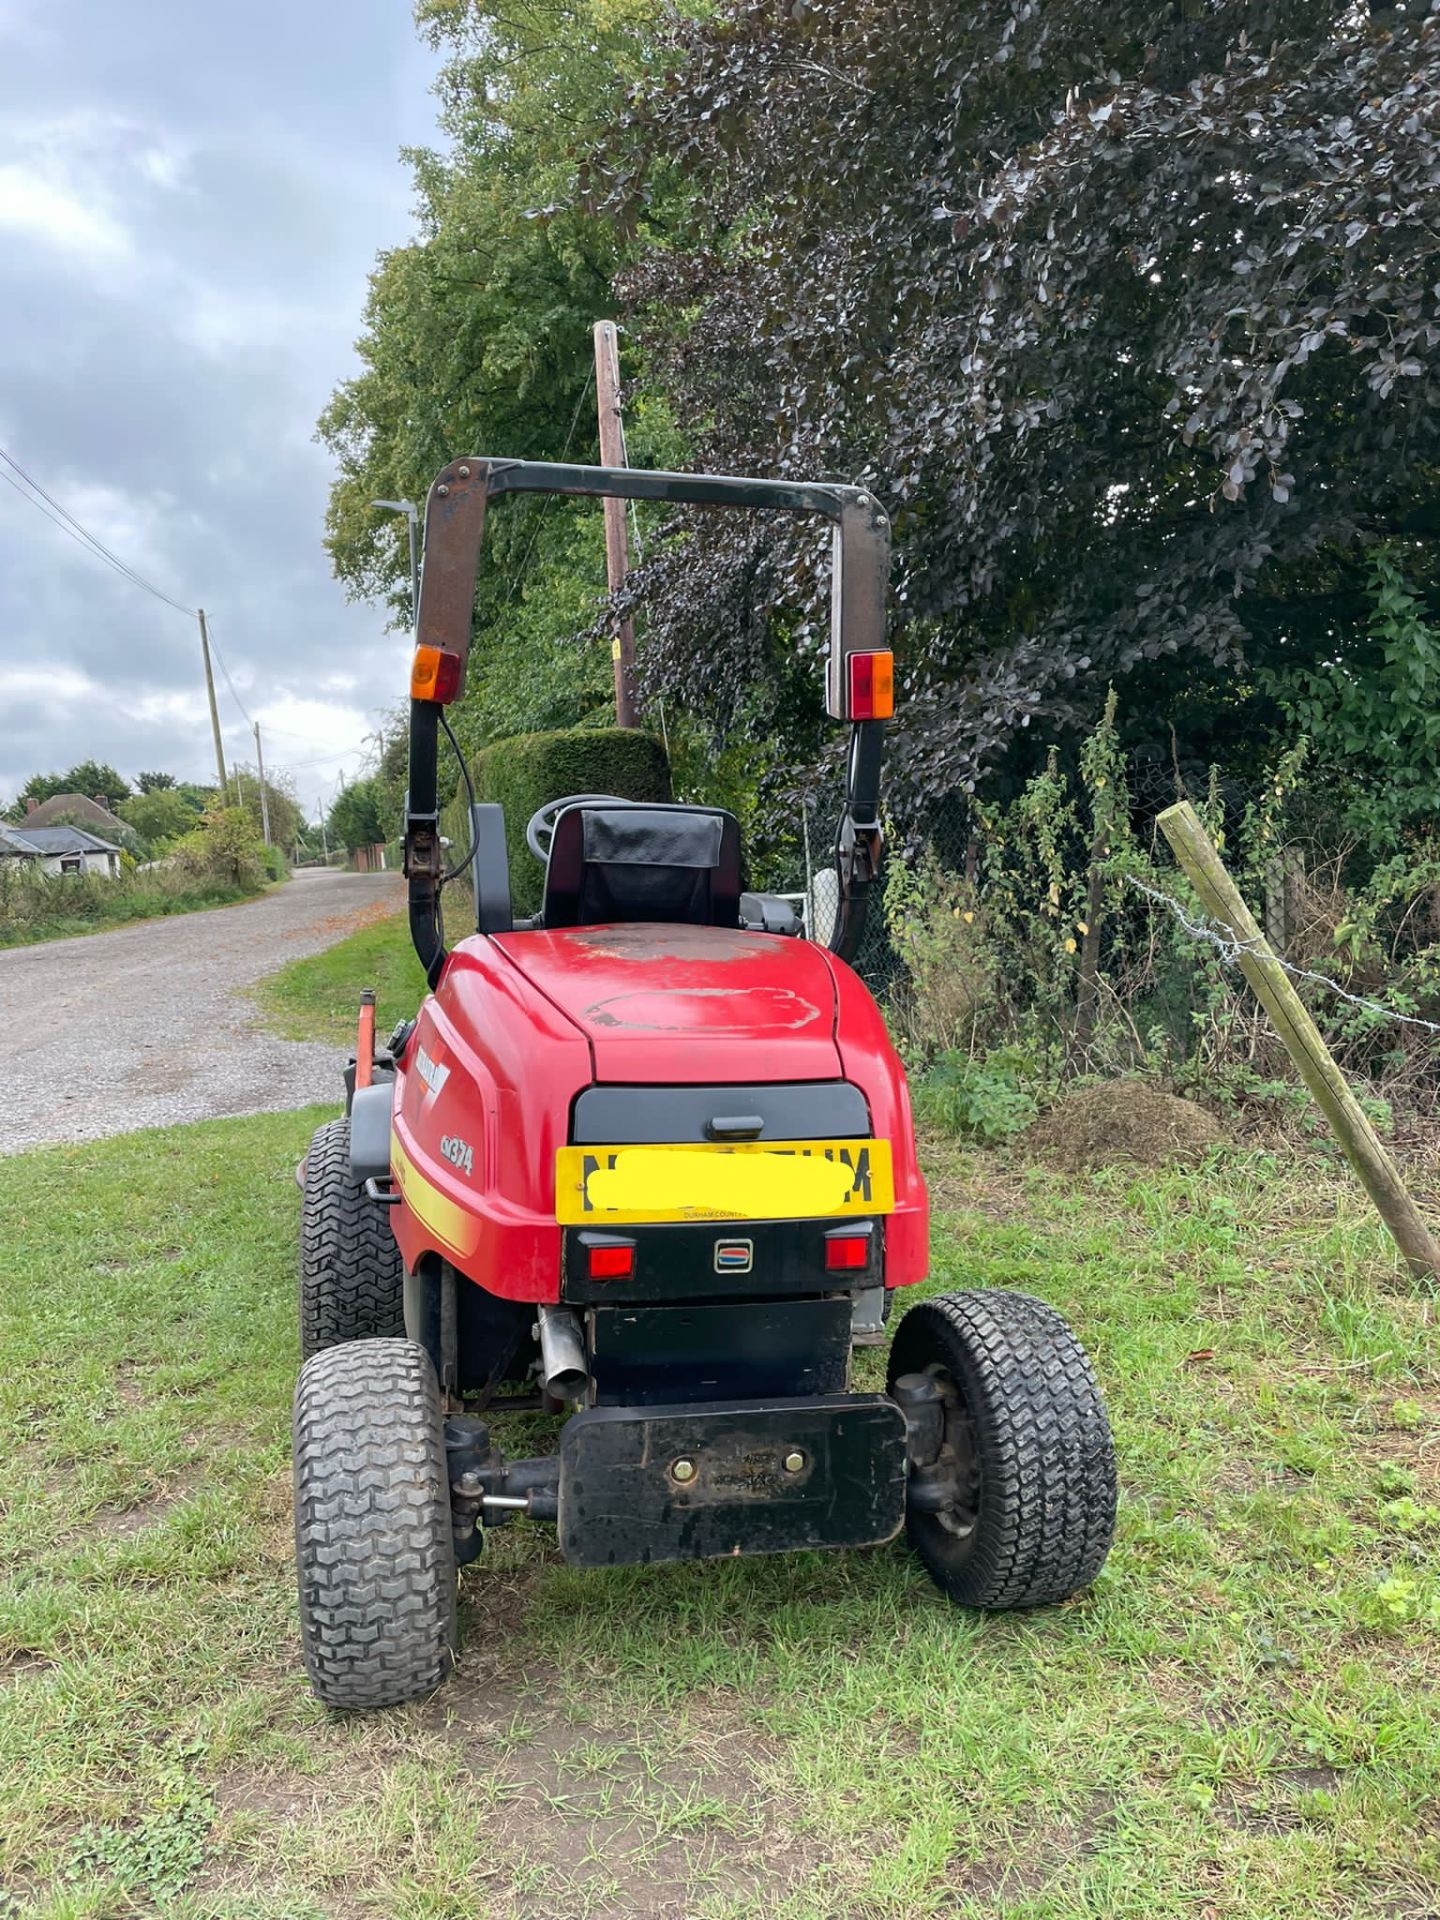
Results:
x,y
540,827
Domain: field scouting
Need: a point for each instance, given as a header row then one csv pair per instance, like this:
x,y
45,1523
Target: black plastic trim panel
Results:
x,y
755,1476
801,1110
716,1351
679,1262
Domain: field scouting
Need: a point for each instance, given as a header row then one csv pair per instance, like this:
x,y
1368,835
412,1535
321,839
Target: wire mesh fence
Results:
x,y
1058,923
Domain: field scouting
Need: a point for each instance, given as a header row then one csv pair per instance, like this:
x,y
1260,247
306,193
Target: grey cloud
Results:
x,y
207,189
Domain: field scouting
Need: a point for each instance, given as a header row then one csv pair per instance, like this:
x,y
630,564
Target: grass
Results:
x,y
316,998
108,904
1239,1720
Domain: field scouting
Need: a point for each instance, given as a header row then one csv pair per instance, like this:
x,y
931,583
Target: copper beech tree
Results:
x,y
1131,312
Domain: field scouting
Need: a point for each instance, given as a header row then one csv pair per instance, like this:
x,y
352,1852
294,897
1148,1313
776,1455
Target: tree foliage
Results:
x,y
1374,723
224,847
94,779
158,815
478,339
286,813
1131,315
359,817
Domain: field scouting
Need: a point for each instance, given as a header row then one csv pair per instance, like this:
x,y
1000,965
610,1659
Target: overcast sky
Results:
x,y
191,196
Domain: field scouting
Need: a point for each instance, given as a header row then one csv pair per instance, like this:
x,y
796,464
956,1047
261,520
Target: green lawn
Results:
x,y
318,998
1238,1721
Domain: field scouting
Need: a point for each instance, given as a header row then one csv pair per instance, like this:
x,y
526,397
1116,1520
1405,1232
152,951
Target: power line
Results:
x,y
85,545
323,760
518,579
61,517
91,539
215,648
83,534
30,500
288,733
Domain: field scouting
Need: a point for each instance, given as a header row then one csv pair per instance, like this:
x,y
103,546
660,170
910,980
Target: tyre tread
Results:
x,y
351,1274
374,1554
1048,1482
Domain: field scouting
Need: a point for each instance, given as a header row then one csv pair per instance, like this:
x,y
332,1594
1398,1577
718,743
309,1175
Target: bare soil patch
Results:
x,y
122,1523
1123,1120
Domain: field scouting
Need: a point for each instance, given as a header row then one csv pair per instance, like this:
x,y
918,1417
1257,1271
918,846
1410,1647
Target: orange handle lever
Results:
x,y
365,1044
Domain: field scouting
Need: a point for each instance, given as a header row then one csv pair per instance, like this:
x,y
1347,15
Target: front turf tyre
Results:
x,y
374,1552
1027,1465
352,1279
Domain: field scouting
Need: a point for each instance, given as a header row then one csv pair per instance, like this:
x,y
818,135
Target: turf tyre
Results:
x,y
374,1555
352,1278
1029,1416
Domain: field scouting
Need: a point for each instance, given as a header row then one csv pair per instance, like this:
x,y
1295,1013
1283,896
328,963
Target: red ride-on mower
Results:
x,y
649,1156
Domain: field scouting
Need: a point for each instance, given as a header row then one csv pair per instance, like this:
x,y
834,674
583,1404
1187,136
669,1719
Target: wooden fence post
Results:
x,y
1221,899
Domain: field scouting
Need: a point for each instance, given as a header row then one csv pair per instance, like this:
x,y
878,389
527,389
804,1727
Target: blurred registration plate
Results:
x,y
743,1180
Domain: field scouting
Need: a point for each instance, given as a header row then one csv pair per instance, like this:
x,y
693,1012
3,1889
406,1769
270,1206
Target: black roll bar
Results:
x,y
454,530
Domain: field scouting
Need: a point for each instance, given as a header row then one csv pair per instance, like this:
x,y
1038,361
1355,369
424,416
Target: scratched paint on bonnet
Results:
x,y
756,1010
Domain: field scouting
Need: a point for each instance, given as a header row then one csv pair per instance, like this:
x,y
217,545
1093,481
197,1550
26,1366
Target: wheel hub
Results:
x,y
944,1466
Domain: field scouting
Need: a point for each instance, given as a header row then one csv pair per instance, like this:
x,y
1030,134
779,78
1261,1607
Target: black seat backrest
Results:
x,y
672,864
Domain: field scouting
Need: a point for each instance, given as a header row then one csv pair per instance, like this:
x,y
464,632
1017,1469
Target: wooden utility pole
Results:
x,y
214,710
1221,899
264,797
617,542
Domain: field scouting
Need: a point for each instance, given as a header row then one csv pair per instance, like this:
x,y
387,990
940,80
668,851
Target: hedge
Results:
x,y
528,769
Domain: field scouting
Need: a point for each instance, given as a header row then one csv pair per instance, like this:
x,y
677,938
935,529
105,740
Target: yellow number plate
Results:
x,y
749,1180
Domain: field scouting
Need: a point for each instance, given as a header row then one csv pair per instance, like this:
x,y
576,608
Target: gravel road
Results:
x,y
149,1025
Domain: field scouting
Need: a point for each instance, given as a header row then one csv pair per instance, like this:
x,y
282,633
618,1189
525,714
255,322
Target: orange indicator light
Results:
x,y
435,675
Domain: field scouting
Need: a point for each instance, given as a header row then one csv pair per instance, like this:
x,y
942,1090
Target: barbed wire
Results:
x,y
1232,949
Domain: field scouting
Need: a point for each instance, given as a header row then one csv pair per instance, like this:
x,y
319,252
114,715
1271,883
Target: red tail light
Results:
x,y
844,1252
611,1263
872,685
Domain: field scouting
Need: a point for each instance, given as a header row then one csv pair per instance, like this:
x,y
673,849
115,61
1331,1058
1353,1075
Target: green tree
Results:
x,y
286,815
97,780
224,846
157,815
39,787
94,779
155,782
1374,719
477,338
1126,313
358,817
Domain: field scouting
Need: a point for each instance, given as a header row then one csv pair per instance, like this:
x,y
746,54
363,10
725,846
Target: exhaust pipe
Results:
x,y
563,1370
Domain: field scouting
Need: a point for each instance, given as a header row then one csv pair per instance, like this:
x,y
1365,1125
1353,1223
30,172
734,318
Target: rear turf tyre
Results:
x,y
374,1553
1027,1445
351,1275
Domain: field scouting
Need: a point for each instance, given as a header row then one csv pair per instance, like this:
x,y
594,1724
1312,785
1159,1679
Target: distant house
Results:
x,y
74,809
60,850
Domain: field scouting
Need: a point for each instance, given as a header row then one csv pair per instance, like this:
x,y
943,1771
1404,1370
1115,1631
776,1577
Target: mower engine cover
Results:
x,y
521,1024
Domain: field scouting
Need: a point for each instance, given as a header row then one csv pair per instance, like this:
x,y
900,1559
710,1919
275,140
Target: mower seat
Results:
x,y
678,865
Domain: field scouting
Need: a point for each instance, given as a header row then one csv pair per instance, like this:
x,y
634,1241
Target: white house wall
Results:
x,y
93,863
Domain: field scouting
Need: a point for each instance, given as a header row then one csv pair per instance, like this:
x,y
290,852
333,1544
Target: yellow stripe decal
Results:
x,y
450,1224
